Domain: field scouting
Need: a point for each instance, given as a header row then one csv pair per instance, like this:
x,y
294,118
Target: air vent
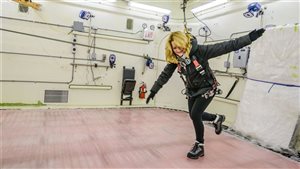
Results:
x,y
129,24
56,96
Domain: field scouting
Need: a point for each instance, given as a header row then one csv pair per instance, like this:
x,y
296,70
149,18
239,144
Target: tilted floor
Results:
x,y
121,138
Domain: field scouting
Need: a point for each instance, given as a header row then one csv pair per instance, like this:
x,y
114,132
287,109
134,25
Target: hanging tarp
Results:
x,y
270,104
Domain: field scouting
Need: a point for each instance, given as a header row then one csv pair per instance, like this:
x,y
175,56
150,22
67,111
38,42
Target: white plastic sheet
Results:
x,y
275,56
270,104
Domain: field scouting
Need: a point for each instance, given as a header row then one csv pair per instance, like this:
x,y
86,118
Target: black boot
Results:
x,y
197,151
218,123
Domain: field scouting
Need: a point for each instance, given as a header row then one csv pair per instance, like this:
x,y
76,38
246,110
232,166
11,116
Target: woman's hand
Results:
x,y
151,96
256,34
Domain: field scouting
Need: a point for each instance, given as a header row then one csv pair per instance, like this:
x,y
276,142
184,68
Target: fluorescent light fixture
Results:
x,y
111,0
97,87
149,8
101,1
209,5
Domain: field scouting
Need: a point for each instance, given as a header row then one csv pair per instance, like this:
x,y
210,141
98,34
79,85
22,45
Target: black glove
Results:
x,y
151,96
256,34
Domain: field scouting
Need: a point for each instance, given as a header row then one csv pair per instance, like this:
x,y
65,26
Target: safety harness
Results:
x,y
184,61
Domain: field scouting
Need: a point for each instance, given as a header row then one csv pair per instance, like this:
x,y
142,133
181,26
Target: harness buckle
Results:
x,y
182,64
202,72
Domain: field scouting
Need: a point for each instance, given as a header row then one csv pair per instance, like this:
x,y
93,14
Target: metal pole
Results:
x,y
63,41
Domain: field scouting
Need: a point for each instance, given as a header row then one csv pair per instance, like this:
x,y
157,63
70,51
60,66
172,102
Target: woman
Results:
x,y
191,60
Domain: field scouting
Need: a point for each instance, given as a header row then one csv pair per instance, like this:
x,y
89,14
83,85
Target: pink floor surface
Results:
x,y
121,138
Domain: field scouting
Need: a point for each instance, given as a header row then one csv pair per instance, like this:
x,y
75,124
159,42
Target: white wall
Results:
x,y
20,67
30,68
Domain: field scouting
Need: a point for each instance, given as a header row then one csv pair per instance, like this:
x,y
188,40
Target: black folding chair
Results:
x,y
128,84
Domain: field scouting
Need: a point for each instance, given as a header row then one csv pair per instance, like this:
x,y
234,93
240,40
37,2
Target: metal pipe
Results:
x,y
227,100
221,73
82,86
105,36
73,68
47,56
51,82
64,26
112,30
38,22
63,41
31,81
92,65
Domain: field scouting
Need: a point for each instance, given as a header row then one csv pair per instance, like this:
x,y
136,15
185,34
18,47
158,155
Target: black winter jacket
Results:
x,y
198,84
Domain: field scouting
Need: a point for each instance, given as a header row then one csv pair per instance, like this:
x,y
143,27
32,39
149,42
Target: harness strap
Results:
x,y
180,73
215,82
199,68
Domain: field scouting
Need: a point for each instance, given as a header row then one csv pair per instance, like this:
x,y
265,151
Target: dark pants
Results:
x,y
197,106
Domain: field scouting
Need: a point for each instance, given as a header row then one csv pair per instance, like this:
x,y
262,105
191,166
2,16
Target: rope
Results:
x,y
274,83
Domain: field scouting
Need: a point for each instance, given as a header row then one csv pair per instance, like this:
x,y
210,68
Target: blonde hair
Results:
x,y
181,40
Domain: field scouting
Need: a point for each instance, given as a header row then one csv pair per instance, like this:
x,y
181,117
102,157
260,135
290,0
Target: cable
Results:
x,y
205,28
274,83
232,88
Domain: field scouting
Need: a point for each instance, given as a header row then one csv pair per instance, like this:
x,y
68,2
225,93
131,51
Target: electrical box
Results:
x,y
78,26
240,57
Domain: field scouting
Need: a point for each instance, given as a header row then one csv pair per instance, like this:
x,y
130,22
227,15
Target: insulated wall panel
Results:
x,y
275,56
270,104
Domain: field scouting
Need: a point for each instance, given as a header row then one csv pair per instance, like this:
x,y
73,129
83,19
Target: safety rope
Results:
x,y
273,83
184,16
